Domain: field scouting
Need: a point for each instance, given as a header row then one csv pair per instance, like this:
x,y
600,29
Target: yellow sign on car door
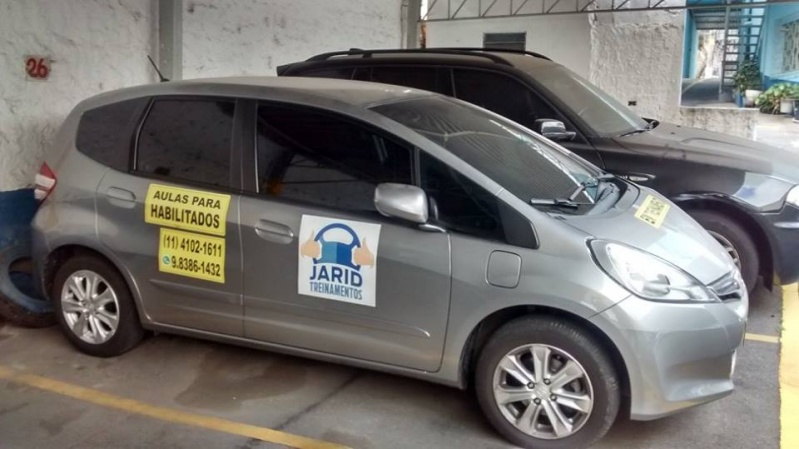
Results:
x,y
192,210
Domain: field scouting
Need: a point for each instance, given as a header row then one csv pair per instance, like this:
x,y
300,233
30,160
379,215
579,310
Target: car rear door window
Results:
x,y
503,95
424,78
323,159
188,140
344,73
105,133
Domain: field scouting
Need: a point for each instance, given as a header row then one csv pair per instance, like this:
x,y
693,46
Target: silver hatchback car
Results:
x,y
391,229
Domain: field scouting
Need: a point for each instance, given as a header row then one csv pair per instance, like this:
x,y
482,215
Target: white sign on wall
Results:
x,y
338,259
37,67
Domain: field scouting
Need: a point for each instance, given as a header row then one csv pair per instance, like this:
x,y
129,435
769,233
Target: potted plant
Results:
x,y
747,80
778,98
788,99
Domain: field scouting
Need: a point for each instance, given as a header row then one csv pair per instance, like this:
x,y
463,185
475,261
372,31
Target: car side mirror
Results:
x,y
553,130
402,201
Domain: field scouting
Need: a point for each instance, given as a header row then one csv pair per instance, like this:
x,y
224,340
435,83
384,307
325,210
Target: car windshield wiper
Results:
x,y
590,182
555,202
569,202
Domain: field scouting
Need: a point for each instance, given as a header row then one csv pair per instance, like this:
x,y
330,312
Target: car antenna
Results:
x,y
160,76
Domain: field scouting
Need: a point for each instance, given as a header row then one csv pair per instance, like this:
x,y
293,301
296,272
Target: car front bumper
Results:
x,y
677,355
783,235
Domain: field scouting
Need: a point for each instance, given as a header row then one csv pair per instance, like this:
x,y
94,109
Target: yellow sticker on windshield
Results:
x,y
192,210
192,255
653,211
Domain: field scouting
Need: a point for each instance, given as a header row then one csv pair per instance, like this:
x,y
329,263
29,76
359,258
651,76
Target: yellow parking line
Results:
x,y
163,413
789,368
763,338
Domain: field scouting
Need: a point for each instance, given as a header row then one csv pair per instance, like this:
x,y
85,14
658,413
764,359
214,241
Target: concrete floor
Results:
x,y
777,130
356,408
703,93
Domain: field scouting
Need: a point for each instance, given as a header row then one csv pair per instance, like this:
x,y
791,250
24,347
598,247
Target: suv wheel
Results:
x,y
95,308
16,287
545,383
735,240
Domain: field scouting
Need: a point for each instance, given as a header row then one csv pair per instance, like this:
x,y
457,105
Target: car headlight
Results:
x,y
647,275
793,196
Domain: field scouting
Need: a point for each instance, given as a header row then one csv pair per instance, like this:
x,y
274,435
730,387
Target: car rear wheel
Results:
x,y
95,308
545,383
735,240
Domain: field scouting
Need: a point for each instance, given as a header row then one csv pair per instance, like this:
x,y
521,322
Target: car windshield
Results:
x,y
601,112
514,157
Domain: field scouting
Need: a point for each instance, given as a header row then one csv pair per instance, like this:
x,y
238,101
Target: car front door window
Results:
x,y
319,159
462,206
503,95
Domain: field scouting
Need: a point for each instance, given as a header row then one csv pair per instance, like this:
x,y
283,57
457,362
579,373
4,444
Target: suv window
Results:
x,y
520,161
503,95
104,133
417,77
323,159
188,140
343,73
462,206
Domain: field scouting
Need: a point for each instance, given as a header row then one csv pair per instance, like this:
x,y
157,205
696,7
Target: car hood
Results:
x,y
707,147
677,239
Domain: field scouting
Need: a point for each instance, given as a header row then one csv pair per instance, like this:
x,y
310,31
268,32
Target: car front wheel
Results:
x,y
735,240
545,383
95,308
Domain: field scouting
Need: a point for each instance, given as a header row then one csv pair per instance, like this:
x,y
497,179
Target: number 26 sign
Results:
x,y
37,67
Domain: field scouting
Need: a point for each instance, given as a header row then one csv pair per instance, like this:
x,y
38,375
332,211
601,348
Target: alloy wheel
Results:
x,y
543,391
90,307
728,246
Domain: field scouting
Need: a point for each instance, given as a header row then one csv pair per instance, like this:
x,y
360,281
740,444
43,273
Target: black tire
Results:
x,y
14,265
564,336
128,332
729,229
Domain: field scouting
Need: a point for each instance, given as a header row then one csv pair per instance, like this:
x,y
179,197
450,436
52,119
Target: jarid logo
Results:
x,y
338,259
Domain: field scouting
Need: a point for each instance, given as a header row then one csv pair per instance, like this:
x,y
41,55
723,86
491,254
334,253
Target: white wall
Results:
x,y
100,45
638,57
237,37
95,46
564,38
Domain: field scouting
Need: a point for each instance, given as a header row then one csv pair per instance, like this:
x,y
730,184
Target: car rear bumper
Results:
x,y
677,355
39,257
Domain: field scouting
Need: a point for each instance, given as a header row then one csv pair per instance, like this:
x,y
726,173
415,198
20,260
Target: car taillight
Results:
x,y
45,182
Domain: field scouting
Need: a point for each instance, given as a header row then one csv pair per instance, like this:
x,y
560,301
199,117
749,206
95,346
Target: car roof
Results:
x,y
299,89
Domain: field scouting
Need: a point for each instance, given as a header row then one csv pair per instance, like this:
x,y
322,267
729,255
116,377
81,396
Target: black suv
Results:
x,y
744,193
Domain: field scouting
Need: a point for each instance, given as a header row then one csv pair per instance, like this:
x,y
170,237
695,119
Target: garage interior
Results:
x,y
180,392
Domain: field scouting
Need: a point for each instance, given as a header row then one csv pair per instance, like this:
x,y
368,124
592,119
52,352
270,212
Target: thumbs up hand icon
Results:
x,y
311,248
362,256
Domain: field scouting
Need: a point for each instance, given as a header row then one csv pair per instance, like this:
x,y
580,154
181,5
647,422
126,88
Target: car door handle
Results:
x,y
121,197
274,232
